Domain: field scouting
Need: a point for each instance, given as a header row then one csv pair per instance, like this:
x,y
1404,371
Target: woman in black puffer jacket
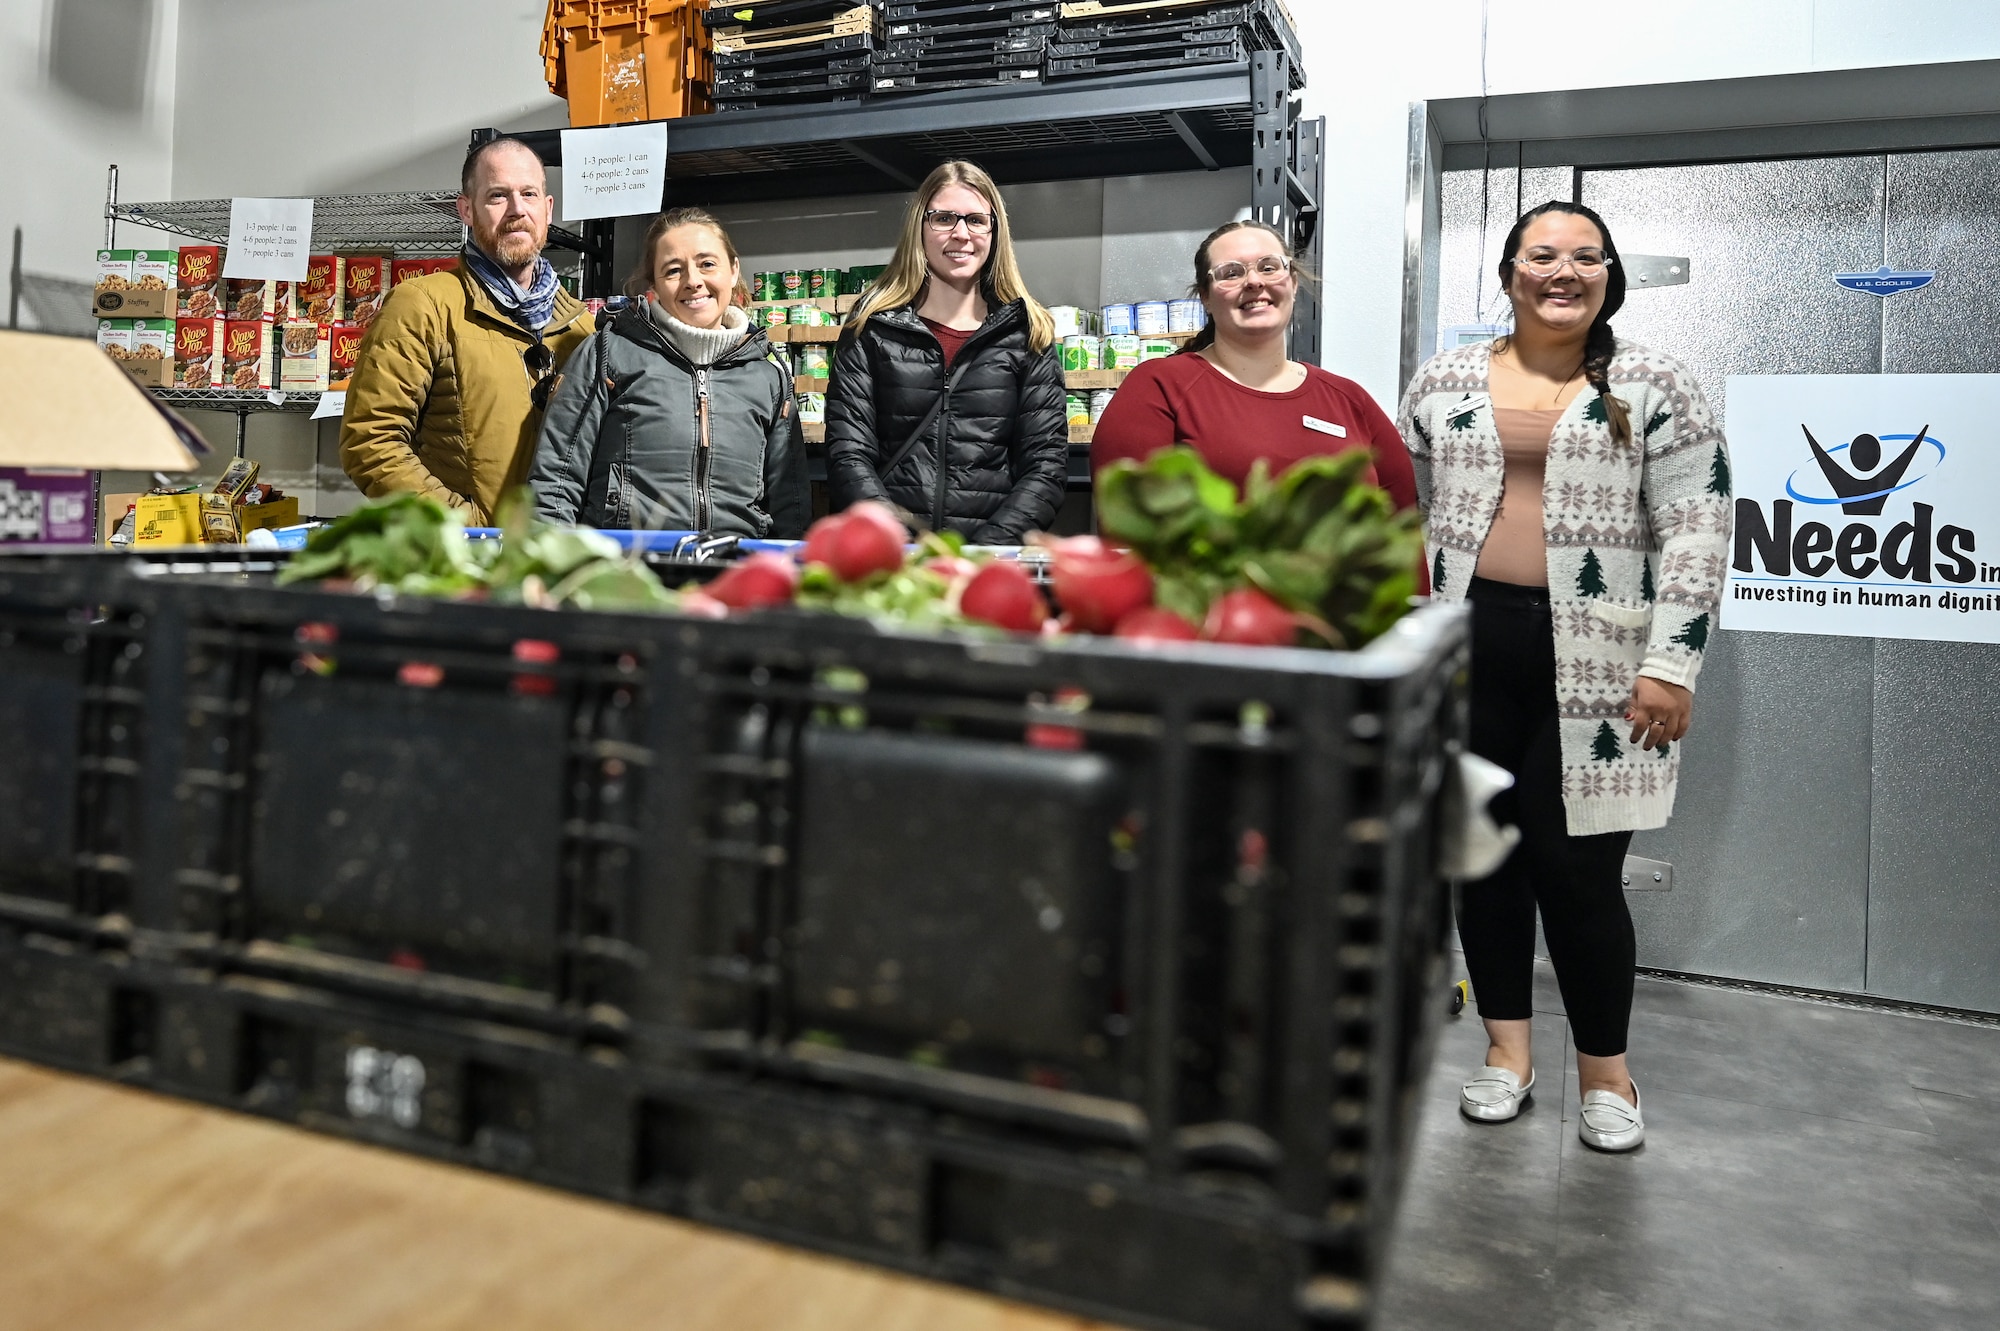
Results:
x,y
673,416
948,356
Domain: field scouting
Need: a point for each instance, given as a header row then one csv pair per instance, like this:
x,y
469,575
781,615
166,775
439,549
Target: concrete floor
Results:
x,y
1805,1166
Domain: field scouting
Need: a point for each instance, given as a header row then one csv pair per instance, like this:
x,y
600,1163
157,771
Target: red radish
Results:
x,y
1249,618
1097,585
1004,595
865,539
757,581
951,567
1152,624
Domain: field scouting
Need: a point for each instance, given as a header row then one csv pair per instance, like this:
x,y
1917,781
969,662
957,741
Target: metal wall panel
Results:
x,y
1934,901
1765,239
1468,288
1756,894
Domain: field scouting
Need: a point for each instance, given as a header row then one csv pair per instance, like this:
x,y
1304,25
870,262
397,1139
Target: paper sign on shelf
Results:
x,y
613,171
269,239
332,405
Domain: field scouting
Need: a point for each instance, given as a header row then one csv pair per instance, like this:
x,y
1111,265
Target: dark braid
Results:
x,y
1598,348
1599,345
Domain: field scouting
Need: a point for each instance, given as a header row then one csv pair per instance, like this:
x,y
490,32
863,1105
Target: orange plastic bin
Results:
x,y
618,61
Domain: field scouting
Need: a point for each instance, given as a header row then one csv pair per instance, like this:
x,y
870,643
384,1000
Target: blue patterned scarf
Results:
x,y
532,311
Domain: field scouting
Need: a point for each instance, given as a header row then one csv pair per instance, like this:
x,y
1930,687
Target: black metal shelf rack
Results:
x,y
1203,118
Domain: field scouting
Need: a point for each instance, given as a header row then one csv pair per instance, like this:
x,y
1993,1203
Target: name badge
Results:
x,y
1326,427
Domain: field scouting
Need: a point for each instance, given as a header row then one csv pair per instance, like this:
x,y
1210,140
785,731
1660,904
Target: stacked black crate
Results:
x,y
937,44
1098,37
794,51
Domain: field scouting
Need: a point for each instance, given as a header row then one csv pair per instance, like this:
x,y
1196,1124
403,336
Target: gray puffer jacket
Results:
x,y
626,443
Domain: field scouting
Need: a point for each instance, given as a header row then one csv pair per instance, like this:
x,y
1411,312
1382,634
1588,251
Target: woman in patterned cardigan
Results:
x,y
1577,494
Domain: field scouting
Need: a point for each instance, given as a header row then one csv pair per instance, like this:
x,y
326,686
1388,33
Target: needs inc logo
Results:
x,y
1787,538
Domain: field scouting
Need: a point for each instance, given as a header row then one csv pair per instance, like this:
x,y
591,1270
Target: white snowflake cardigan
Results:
x,y
1638,540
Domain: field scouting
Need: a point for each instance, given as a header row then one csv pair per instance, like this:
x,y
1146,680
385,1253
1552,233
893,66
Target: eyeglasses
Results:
x,y
541,363
1547,263
1270,268
944,221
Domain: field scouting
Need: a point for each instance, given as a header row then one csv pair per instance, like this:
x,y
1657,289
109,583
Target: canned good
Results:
x,y
807,316
1118,321
814,360
771,316
812,408
1079,409
1121,351
793,284
1070,320
1099,400
1149,318
1186,316
823,282
768,287
1154,348
856,280
1080,351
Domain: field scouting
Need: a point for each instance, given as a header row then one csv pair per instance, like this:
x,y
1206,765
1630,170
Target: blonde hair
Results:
x,y
903,281
649,249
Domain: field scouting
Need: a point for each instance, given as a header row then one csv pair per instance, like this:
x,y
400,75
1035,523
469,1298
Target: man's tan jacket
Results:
x,y
439,403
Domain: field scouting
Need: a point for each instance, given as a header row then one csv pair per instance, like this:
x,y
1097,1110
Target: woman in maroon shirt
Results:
x,y
1233,395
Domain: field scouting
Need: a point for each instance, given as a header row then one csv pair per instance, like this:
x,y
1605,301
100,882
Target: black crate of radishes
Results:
x,y
1091,970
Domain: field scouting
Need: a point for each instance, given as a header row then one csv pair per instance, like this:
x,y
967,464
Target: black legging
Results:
x,y
1577,880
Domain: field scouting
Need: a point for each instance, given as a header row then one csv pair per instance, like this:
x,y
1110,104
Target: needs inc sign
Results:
x,y
1866,505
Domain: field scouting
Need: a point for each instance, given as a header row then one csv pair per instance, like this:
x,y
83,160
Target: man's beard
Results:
x,y
510,249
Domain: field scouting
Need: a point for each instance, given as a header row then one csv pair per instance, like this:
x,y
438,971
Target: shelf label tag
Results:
x,y
330,405
269,239
613,171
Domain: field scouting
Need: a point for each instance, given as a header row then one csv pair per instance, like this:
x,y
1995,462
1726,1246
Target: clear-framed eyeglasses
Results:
x,y
944,221
1270,268
1586,263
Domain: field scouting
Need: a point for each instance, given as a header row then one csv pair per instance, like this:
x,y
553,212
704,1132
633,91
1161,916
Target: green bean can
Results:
x,y
769,287
792,284
823,283
812,408
772,316
814,361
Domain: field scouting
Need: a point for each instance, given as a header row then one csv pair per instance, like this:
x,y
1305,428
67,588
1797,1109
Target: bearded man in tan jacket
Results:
x,y
451,379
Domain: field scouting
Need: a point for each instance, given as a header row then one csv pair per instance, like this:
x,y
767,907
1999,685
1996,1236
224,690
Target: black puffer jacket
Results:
x,y
1004,431
622,444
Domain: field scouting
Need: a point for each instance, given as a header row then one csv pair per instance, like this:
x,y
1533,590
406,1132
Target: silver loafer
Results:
x,y
1494,1095
1608,1123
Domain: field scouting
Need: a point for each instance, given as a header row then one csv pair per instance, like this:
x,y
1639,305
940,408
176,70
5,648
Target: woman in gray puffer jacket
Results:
x,y
674,416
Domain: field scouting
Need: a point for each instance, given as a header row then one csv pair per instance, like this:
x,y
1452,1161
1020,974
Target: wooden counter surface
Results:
x,y
125,1211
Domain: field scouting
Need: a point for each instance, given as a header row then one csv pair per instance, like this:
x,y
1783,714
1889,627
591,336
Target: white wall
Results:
x,y
67,112
1365,63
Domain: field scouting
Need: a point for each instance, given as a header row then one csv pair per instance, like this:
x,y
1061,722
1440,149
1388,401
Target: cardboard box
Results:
x,y
133,284
69,406
322,297
168,519
46,505
111,511
367,286
246,298
247,362
229,526
402,270
197,353
449,265
303,365
114,337
343,345
198,279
